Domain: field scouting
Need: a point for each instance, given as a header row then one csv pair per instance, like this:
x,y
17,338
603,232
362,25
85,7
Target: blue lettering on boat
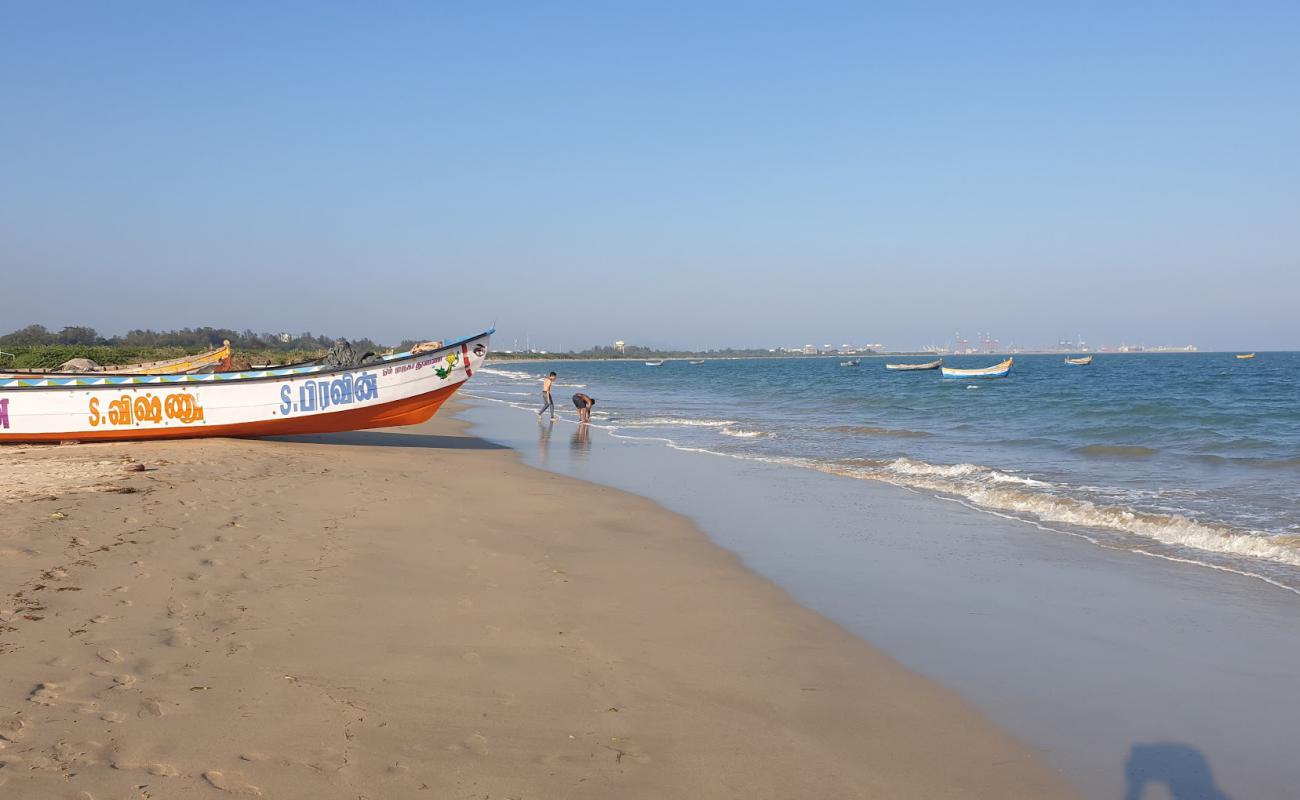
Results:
x,y
320,395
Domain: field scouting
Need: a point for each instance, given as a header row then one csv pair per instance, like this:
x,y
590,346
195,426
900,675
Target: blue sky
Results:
x,y
678,174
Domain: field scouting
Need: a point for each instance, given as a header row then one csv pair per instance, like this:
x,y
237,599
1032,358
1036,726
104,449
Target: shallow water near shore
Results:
x,y
1115,665
1190,456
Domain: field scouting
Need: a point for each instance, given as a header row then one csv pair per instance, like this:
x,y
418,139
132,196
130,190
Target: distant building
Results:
x,y
620,346
810,349
284,337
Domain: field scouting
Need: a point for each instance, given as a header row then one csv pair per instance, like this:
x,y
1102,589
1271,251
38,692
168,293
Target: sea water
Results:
x,y
1191,457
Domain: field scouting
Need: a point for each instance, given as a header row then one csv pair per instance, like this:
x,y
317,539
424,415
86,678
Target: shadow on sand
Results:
x,y
1180,768
386,439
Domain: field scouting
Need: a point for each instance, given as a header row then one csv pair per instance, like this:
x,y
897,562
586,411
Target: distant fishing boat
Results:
x,y
1245,355
852,362
658,363
995,371
209,361
938,362
398,389
1079,362
696,362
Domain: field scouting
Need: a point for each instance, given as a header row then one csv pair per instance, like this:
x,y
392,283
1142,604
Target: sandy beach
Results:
x,y
418,614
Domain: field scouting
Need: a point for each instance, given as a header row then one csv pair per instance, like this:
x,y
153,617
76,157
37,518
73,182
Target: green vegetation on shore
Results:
x,y
35,347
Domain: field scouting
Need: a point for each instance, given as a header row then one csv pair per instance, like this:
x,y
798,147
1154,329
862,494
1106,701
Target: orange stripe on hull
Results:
x,y
411,411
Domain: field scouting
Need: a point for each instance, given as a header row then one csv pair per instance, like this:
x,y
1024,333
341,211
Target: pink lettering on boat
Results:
x,y
4,413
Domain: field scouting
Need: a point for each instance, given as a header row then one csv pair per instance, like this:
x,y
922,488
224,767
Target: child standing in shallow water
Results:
x,y
546,396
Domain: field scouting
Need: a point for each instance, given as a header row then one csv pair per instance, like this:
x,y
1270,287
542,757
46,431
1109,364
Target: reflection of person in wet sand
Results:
x,y
581,438
544,444
583,403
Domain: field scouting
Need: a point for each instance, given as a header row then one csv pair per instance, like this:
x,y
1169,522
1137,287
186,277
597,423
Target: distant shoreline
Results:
x,y
514,358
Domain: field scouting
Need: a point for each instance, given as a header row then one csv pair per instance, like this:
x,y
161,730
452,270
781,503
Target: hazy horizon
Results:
x,y
676,176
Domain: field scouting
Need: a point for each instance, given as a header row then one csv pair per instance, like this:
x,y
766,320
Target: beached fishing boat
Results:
x,y
1245,355
1083,361
397,389
995,371
658,363
215,359
852,362
938,362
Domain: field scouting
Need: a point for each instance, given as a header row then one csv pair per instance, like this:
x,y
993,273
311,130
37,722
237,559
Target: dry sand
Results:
x,y
417,614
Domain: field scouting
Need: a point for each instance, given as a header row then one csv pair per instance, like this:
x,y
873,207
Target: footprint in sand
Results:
x,y
150,708
471,658
233,782
124,680
476,744
113,717
255,756
109,655
13,729
165,770
178,637
45,694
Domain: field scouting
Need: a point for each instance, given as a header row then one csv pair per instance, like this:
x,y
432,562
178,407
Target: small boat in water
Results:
x,y
1245,355
995,371
696,362
1079,362
938,362
658,363
852,362
397,389
212,360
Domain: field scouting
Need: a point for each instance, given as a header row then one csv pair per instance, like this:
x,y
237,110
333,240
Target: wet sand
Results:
x,y
415,613
1135,676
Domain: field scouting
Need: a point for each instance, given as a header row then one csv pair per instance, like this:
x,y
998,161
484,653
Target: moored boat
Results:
x,y
397,389
215,359
658,363
938,362
696,362
1082,361
1245,355
852,362
995,371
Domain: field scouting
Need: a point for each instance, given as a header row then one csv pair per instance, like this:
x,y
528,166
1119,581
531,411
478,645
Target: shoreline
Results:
x,y
413,611
1097,656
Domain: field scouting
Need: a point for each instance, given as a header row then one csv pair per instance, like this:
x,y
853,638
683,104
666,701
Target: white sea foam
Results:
x,y
510,373
675,422
987,489
741,433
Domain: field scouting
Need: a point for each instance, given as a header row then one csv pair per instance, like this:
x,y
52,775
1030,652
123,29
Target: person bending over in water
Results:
x,y
584,404
546,396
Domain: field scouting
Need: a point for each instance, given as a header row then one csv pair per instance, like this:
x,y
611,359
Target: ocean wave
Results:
x,y
675,422
1120,450
1254,463
987,488
510,373
741,433
869,430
